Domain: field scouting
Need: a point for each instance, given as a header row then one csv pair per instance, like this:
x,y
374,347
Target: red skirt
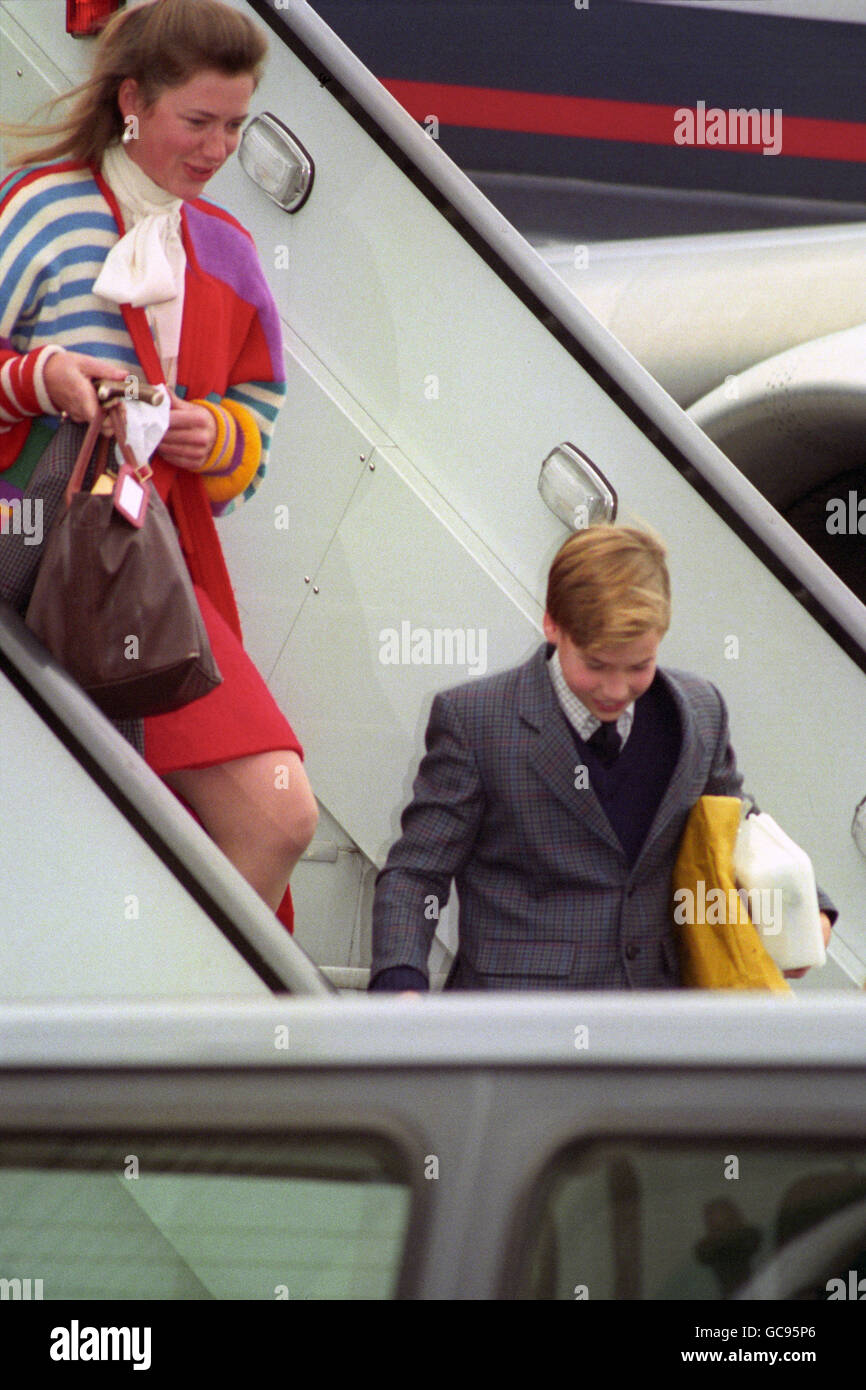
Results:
x,y
237,720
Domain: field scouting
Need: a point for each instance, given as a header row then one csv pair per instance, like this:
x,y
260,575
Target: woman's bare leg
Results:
x,y
259,810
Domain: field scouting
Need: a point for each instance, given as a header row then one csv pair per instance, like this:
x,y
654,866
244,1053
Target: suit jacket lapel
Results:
x,y
554,754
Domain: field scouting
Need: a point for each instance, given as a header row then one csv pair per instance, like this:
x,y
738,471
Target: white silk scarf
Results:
x,y
146,267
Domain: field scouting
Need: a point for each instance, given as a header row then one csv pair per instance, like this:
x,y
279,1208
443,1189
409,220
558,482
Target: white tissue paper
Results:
x,y
145,426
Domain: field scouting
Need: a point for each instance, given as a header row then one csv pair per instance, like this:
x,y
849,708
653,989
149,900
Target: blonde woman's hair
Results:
x,y
609,585
160,44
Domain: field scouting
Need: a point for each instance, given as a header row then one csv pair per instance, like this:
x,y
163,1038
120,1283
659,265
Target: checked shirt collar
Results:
x,y
579,717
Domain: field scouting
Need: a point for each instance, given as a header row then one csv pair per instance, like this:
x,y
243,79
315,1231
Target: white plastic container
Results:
x,y
777,878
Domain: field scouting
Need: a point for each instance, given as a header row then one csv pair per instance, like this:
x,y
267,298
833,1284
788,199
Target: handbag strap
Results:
x,y
84,456
85,453
189,503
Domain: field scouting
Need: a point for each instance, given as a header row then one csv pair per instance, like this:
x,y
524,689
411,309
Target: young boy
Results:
x,y
556,795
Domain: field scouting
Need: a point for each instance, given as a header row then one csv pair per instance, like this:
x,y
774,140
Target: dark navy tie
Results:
x,y
606,742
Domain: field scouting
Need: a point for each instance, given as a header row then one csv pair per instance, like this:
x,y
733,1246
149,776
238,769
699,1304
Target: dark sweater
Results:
x,y
631,788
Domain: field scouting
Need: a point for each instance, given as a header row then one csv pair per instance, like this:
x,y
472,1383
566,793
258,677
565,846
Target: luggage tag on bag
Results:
x,y
132,492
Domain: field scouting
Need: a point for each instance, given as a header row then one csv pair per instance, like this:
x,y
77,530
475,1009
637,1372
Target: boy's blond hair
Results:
x,y
609,585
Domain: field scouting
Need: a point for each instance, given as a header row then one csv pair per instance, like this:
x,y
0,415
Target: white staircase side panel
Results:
x,y
87,909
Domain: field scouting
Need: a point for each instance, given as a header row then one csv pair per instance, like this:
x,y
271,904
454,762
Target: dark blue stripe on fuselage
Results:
x,y
628,52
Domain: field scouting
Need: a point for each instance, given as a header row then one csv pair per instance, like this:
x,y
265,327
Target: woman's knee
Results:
x,y
294,813
262,803
304,815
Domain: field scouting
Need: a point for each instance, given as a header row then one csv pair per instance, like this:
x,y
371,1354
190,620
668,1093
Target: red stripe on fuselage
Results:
x,y
591,118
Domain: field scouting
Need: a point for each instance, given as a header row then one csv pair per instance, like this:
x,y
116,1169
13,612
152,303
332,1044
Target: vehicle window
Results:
x,y
227,1217
634,1220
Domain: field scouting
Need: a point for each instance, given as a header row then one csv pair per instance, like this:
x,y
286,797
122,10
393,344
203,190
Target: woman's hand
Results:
x,y
69,378
191,434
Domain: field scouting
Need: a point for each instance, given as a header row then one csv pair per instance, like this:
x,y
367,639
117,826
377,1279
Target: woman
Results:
x,y
109,263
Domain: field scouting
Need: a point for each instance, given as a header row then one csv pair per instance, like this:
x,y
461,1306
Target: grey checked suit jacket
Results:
x,y
547,897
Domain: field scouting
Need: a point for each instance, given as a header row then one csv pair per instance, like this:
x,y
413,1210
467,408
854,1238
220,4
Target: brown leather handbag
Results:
x,y
113,600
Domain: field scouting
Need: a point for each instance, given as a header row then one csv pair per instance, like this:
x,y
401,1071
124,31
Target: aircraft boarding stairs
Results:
x,y
434,364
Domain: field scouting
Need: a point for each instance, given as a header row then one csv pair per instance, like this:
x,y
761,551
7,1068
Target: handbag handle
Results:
x,y
86,451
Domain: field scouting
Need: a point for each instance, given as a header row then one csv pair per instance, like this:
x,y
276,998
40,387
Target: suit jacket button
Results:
x,y
632,950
